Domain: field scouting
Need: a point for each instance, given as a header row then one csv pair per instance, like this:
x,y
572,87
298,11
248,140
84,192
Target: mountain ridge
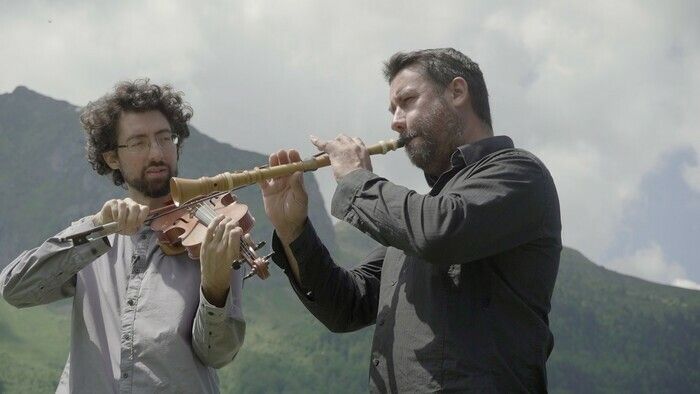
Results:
x,y
42,154
613,332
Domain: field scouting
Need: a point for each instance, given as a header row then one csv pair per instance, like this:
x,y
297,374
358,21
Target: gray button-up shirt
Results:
x,y
140,323
460,290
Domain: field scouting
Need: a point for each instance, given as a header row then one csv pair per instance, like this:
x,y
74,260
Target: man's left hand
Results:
x,y
347,154
221,246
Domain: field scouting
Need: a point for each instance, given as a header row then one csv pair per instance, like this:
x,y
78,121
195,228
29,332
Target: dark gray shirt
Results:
x,y
461,288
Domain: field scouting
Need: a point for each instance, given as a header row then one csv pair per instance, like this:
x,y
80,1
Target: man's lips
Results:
x,y
157,170
412,139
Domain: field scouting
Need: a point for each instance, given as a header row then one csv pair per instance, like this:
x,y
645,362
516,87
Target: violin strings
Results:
x,y
206,215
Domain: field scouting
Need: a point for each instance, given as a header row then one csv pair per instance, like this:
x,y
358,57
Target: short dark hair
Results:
x,y
100,118
442,65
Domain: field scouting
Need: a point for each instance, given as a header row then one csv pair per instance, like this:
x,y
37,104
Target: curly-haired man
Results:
x,y
142,321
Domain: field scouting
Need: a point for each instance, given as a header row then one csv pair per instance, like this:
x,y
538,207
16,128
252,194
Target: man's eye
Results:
x,y
409,99
137,144
165,139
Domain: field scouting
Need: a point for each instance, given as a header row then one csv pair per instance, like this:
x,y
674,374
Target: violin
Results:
x,y
182,229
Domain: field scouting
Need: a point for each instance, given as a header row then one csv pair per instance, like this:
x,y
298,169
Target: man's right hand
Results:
x,y
286,201
129,215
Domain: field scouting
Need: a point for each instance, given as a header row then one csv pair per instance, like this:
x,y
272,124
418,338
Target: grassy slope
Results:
x,y
613,333
618,333
33,348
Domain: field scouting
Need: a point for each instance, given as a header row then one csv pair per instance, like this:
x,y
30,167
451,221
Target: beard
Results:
x,y
441,131
153,188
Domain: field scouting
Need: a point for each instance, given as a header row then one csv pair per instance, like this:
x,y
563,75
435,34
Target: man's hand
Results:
x,y
128,214
221,246
286,201
346,154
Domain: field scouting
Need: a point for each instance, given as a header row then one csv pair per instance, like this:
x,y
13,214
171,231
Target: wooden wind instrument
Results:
x,y
183,190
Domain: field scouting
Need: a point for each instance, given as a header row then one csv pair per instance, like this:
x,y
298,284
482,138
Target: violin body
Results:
x,y
182,229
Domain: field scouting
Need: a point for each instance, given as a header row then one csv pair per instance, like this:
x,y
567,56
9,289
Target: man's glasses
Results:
x,y
142,145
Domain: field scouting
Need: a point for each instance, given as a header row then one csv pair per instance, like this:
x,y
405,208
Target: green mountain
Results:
x,y
48,183
613,333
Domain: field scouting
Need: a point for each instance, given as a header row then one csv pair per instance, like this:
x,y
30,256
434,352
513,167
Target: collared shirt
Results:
x,y
140,323
460,289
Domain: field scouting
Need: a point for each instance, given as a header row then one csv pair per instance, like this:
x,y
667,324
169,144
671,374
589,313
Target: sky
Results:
x,y
607,94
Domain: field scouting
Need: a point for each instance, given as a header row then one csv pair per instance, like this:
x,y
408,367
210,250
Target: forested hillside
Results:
x,y
613,333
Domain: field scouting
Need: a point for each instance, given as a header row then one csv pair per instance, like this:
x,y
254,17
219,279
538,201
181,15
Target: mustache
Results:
x,y
407,136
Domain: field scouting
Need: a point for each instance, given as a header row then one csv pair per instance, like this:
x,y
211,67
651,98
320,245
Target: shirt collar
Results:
x,y
471,153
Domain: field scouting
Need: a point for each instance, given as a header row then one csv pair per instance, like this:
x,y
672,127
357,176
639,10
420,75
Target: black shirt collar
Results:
x,y
471,153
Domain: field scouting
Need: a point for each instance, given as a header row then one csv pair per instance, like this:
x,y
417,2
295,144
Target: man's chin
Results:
x,y
152,189
418,160
157,190
152,185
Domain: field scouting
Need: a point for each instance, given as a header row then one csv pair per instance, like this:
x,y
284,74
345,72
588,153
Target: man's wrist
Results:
x,y
347,172
215,295
288,236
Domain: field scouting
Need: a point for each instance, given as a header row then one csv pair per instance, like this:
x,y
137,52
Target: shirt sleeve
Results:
x,y
48,273
486,211
218,333
343,300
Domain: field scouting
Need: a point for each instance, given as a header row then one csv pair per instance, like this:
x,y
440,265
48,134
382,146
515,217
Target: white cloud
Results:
x,y
599,90
691,175
685,283
650,263
596,92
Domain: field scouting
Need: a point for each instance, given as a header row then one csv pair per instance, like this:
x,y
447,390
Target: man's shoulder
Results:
x,y
516,157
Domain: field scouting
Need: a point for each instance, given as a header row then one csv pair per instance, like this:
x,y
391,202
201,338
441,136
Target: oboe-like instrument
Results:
x,y
183,190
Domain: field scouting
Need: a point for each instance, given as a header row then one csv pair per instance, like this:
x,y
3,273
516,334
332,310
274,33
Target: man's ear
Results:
x,y
111,159
459,92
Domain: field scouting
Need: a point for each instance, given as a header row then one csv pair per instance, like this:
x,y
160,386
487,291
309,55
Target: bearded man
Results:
x,y
460,287
142,321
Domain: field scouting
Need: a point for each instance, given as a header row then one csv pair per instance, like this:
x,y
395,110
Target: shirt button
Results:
x,y
381,322
393,283
125,375
126,336
376,362
130,302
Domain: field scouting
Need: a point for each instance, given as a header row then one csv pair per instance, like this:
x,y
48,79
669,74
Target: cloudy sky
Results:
x,y
606,93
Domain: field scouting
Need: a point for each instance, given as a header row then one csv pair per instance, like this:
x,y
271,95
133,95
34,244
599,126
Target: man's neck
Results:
x,y
472,132
151,202
476,131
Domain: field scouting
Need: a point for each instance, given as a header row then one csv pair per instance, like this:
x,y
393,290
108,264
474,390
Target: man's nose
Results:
x,y
155,151
398,123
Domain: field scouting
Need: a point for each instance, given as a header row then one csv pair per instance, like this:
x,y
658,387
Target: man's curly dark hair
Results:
x,y
100,118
